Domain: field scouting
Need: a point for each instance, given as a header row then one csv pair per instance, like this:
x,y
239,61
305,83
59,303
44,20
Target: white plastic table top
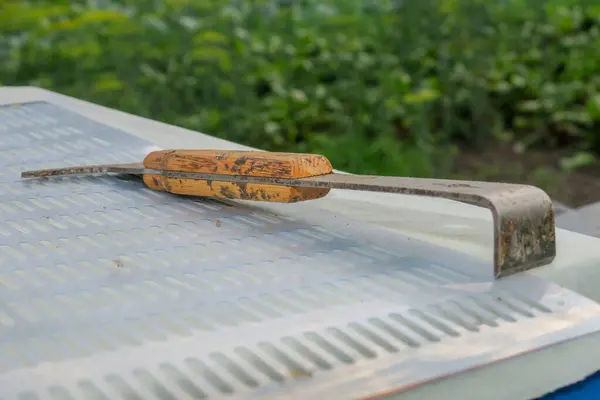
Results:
x,y
466,229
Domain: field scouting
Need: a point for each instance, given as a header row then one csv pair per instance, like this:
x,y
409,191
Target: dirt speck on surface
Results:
x,y
299,374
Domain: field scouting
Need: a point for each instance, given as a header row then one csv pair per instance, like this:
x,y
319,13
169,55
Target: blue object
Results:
x,y
587,389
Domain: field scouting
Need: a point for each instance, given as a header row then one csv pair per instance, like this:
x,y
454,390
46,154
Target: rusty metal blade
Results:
x,y
133,168
523,215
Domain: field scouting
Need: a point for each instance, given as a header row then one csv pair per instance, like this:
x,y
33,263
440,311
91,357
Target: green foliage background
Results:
x,y
375,87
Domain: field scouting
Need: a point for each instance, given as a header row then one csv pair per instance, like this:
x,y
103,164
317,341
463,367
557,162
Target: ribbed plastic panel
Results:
x,y
111,291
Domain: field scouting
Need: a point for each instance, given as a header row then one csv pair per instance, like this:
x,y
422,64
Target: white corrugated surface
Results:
x,y
360,324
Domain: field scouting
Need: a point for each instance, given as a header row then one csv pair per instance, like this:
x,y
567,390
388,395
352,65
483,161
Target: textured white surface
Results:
x,y
466,229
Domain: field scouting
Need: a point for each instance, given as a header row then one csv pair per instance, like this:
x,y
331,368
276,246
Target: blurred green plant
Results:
x,y
378,87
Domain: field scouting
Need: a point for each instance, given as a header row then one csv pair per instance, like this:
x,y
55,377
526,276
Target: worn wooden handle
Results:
x,y
247,163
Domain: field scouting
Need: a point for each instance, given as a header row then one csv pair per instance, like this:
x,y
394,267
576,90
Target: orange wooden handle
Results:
x,y
247,163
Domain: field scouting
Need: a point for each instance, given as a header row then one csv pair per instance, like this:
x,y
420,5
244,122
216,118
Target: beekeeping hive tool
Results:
x,y
524,227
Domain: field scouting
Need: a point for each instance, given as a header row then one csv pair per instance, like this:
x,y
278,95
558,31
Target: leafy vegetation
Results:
x,y
378,87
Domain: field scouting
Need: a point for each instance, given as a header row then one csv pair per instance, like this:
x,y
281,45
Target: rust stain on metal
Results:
x,y
460,185
526,241
65,171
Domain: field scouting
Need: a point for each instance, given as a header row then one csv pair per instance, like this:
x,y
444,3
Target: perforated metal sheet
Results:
x,y
109,290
